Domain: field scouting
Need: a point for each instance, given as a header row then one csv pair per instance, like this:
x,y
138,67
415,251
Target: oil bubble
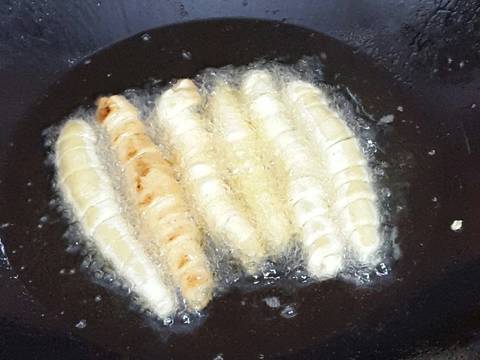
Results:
x,y
288,312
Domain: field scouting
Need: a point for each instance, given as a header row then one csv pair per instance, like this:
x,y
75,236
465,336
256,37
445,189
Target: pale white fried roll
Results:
x,y
179,116
306,194
236,140
354,198
88,190
159,201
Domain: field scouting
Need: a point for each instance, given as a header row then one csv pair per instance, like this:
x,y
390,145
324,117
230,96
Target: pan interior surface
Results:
x,y
239,324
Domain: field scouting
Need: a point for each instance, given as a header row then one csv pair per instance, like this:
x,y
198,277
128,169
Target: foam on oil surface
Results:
x,y
289,266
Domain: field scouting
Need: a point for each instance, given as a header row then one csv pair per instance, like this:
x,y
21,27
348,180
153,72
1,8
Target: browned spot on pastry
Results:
x,y
172,236
103,109
142,168
192,281
183,261
147,199
138,184
183,229
131,153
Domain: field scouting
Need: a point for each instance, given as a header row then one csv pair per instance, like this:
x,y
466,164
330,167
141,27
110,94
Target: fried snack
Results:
x,y
307,198
179,116
235,138
159,201
354,197
88,190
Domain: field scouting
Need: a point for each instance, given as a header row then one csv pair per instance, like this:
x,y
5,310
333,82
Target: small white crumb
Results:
x,y
272,302
82,324
474,106
168,321
432,152
387,119
187,55
434,199
456,225
186,319
400,108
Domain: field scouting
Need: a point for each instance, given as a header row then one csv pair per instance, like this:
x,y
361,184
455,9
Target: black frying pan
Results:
x,y
431,299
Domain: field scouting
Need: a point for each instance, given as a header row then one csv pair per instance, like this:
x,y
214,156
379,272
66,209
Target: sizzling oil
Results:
x,y
289,267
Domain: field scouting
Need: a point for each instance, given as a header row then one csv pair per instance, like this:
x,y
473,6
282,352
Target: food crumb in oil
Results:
x,y
168,321
386,119
82,324
187,55
272,302
186,319
456,225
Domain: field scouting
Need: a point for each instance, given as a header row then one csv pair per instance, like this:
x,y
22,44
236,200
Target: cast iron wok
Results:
x,y
429,298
